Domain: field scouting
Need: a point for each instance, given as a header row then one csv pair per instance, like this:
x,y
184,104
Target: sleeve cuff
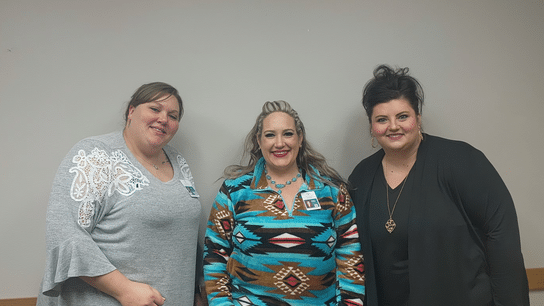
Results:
x,y
73,259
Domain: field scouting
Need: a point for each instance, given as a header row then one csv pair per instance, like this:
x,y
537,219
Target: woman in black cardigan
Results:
x,y
438,224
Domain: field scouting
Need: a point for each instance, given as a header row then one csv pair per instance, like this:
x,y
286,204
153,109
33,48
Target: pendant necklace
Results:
x,y
390,224
154,165
280,186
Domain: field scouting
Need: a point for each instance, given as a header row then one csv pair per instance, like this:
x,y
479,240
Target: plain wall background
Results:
x,y
67,69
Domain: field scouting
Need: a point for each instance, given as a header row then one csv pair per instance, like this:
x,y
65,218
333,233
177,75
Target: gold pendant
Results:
x,y
390,225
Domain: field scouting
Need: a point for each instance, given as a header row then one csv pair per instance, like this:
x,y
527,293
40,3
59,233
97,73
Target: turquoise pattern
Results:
x,y
257,252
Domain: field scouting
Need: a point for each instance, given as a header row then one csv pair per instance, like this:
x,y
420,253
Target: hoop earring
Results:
x,y
372,142
420,134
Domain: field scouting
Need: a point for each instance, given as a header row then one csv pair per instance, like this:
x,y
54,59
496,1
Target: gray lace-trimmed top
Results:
x,y
107,212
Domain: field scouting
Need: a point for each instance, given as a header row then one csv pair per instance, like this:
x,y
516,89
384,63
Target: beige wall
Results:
x,y
67,68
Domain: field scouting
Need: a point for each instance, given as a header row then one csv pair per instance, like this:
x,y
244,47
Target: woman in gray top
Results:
x,y
122,220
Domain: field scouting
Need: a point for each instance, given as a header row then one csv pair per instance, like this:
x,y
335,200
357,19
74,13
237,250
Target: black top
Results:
x,y
390,250
463,237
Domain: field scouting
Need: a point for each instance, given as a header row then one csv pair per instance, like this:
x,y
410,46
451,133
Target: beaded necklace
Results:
x,y
280,186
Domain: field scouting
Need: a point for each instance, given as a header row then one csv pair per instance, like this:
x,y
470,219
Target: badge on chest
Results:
x,y
192,191
310,200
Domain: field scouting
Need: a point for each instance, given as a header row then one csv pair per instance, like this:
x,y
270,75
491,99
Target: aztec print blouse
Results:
x,y
258,252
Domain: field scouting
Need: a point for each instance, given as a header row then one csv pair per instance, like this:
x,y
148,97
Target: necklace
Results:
x,y
280,186
154,165
390,224
162,163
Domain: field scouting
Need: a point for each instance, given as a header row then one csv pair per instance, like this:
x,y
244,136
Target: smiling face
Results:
x,y
152,125
396,126
279,142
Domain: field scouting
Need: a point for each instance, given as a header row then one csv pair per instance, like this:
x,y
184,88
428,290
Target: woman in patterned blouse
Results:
x,y
282,228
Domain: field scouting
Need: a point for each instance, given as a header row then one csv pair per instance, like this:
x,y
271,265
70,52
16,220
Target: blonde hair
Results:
x,y
306,157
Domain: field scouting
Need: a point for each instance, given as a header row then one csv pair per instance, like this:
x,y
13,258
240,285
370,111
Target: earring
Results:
x,y
372,142
420,134
129,121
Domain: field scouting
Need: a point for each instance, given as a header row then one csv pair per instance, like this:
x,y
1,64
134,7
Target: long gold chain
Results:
x,y
390,224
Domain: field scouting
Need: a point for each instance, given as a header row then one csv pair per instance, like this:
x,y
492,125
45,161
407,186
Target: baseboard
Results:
x,y
536,278
18,302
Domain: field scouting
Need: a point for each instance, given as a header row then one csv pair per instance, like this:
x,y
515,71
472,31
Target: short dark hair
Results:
x,y
152,91
390,84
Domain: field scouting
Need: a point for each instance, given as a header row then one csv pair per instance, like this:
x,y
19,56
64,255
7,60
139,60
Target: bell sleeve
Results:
x,y
349,259
76,205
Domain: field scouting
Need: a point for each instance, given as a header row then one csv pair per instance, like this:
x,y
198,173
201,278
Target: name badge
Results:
x,y
310,200
192,191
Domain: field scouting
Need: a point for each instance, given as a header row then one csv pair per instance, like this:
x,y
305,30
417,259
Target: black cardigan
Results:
x,y
463,237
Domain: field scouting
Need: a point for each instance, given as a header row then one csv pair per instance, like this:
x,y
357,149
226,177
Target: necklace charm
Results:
x,y
143,158
390,225
162,163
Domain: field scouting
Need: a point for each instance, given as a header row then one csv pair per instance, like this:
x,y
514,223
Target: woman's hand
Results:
x,y
127,292
138,294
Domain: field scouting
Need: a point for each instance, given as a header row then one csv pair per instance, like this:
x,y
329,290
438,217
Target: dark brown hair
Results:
x,y
390,84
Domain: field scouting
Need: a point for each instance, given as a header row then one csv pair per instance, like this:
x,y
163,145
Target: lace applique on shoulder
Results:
x,y
98,175
185,170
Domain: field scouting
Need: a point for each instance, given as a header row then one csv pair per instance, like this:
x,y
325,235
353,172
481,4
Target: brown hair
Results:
x,y
151,92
